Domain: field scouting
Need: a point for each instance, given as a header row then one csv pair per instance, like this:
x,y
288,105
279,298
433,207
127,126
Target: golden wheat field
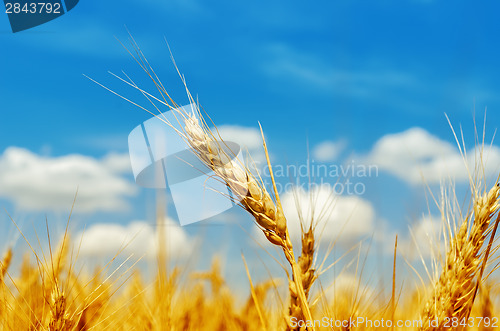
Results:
x,y
459,291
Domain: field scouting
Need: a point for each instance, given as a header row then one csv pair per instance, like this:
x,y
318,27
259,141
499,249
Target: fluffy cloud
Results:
x,y
35,182
425,239
346,218
118,163
139,238
328,150
415,155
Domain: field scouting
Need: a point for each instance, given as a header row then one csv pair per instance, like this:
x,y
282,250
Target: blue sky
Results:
x,y
348,73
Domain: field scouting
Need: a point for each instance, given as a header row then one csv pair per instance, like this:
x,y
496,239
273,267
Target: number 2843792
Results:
x,y
33,8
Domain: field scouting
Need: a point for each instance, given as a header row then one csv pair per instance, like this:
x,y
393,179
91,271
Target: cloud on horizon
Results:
x,y
424,240
40,183
343,218
139,238
415,156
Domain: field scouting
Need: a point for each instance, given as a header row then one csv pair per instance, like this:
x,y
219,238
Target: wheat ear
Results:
x,y
453,293
5,263
308,276
250,194
247,190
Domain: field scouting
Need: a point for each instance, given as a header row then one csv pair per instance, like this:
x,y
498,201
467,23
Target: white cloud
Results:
x,y
328,150
119,163
346,218
424,240
35,182
139,238
415,154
